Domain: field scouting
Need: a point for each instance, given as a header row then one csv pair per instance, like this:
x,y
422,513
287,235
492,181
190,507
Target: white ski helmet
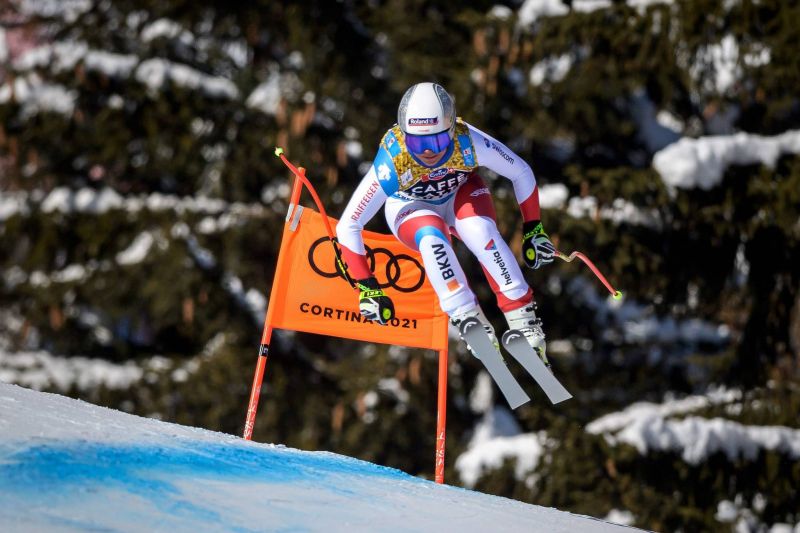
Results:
x,y
426,108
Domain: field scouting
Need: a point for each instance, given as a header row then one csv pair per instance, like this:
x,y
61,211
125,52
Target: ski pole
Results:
x,y
569,258
302,177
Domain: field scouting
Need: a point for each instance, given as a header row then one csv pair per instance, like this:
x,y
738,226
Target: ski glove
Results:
x,y
373,302
537,250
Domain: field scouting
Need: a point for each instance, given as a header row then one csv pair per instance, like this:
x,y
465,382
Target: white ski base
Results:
x,y
473,334
515,343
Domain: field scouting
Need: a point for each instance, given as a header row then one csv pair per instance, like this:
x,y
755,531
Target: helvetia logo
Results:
x,y
490,245
498,259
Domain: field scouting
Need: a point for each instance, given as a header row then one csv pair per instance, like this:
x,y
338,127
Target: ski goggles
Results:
x,y
435,142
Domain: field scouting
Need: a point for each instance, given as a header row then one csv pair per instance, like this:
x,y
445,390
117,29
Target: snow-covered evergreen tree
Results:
x,y
141,209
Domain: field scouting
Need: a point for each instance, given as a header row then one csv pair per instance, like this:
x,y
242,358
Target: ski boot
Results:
x,y
525,320
476,312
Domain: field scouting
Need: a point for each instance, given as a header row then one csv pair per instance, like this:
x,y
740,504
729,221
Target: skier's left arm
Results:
x,y
537,249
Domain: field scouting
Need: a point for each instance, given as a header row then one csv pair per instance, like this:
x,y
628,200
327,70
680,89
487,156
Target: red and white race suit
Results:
x,y
425,206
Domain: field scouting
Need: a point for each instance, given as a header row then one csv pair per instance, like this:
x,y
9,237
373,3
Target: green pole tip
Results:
x,y
278,151
617,295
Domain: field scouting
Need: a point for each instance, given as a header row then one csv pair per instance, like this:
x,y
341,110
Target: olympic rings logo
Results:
x,y
393,267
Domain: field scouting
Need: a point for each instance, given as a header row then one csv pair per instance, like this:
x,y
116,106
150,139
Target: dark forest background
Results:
x,y
333,73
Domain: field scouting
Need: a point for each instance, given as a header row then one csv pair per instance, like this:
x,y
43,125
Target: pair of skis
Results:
x,y
515,343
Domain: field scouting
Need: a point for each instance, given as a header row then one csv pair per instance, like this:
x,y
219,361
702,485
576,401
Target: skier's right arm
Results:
x,y
366,201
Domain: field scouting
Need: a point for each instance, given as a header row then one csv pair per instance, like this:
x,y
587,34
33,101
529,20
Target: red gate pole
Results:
x,y
263,350
441,417
258,377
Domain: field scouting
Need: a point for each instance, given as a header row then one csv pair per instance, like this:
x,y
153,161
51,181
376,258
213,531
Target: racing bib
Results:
x,y
417,182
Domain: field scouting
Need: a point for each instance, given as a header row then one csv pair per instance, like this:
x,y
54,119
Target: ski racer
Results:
x,y
425,175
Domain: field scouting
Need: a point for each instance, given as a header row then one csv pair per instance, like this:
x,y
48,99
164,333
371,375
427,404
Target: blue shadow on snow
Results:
x,y
149,471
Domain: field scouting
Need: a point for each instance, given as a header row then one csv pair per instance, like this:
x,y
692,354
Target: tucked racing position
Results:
x,y
425,175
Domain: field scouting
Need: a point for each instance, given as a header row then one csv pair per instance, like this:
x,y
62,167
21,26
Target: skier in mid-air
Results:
x,y
425,174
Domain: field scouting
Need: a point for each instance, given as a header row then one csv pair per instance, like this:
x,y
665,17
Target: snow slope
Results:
x,y
66,465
